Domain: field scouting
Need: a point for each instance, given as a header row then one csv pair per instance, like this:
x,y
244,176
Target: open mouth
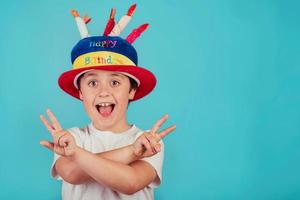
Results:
x,y
105,109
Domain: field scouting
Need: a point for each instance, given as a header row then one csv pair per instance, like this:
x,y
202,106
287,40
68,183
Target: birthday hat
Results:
x,y
108,52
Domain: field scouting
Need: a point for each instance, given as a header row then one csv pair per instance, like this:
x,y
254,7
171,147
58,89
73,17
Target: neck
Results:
x,y
121,127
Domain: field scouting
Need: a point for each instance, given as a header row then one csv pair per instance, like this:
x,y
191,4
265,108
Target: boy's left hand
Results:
x,y
147,144
63,142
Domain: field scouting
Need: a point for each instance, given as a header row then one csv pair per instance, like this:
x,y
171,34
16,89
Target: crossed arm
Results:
x,y
120,169
73,174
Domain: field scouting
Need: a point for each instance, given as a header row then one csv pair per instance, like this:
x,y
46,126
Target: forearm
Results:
x,y
124,155
115,175
73,174
70,172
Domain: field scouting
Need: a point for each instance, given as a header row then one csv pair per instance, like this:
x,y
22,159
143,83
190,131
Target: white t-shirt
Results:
x,y
95,141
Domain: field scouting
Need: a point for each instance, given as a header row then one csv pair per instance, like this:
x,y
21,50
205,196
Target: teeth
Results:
x,y
104,104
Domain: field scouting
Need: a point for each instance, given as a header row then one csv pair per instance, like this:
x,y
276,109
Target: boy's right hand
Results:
x,y
147,144
63,142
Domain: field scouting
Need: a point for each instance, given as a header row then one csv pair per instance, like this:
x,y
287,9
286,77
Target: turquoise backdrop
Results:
x,y
228,74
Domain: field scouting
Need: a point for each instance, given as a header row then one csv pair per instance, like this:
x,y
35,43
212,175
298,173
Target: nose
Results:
x,y
103,94
104,91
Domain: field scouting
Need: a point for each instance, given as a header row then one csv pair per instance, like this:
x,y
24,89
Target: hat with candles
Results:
x,y
107,52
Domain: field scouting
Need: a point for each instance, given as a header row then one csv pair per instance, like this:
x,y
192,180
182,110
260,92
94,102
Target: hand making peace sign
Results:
x,y
147,144
63,142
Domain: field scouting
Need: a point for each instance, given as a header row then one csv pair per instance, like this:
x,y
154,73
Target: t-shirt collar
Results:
x,y
131,130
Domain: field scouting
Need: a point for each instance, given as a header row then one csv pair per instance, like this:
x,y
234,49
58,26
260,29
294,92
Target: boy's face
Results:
x,y
105,96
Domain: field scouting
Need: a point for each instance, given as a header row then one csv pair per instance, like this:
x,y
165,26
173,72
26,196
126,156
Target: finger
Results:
x,y
57,135
146,144
63,140
158,124
152,143
47,144
152,140
54,120
47,123
157,147
166,131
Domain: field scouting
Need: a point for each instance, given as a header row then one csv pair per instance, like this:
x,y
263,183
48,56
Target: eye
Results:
x,y
92,83
115,83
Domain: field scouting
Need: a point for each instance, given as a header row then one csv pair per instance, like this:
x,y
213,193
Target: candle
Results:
x,y
120,26
86,19
136,33
81,24
131,10
110,23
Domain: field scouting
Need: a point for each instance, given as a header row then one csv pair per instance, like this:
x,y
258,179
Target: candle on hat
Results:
x,y
120,26
136,33
110,23
81,23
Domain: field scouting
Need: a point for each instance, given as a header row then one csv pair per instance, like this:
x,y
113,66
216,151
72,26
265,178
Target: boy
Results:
x,y
109,158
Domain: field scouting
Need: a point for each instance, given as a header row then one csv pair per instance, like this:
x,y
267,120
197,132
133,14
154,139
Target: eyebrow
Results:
x,y
118,75
89,74
113,74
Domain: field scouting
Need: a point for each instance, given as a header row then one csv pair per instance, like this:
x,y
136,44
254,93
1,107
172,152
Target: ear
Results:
x,y
131,94
80,95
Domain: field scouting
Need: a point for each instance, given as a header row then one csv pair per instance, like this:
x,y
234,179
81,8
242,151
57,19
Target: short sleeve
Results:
x,y
156,162
78,138
53,172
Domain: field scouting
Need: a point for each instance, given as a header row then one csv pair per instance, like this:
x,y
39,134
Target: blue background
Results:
x,y
228,74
